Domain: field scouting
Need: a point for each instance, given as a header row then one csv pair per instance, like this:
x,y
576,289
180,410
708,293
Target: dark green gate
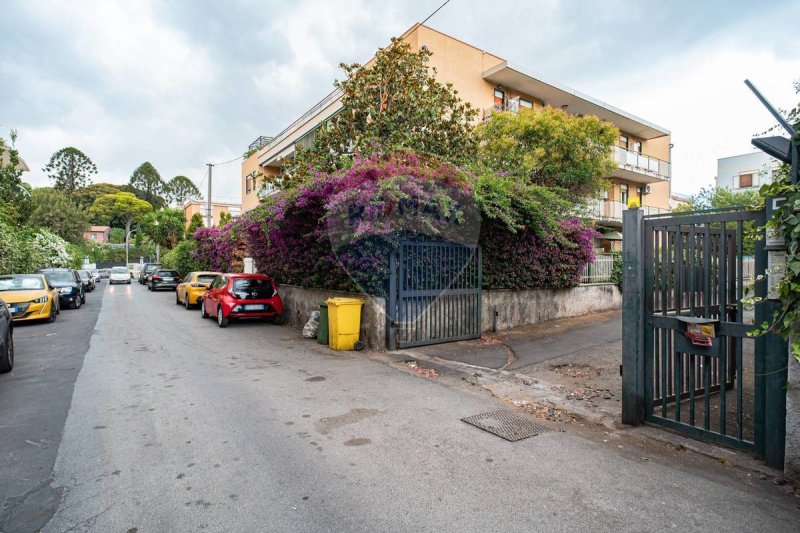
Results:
x,y
434,294
690,268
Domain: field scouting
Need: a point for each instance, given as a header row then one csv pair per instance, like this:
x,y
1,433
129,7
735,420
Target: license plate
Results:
x,y
254,307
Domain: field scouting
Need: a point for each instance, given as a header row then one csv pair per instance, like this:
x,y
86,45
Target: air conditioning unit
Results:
x,y
647,189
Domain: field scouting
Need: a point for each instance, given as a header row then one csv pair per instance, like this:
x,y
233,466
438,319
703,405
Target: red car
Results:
x,y
241,296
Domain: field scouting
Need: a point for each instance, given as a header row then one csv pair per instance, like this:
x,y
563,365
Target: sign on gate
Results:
x,y
434,294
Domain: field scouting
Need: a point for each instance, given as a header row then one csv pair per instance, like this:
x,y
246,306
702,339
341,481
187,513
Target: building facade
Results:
x,y
199,206
491,84
98,234
746,171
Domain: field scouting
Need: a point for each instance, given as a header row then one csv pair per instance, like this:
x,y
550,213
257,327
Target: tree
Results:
x,y
86,196
54,210
224,219
180,188
14,202
147,179
716,197
550,148
195,222
123,205
165,227
70,169
394,103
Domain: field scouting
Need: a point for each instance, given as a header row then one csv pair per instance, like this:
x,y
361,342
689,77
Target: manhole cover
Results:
x,y
506,424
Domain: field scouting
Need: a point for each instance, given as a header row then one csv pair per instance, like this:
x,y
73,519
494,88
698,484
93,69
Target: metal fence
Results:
x,y
599,270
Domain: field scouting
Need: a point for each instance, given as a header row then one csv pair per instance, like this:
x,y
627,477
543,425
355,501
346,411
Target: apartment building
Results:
x,y
199,206
746,171
491,84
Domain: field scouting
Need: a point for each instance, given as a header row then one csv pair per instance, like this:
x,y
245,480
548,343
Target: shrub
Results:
x,y
182,259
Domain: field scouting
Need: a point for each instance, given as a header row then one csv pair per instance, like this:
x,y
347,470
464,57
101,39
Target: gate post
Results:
x,y
633,323
391,303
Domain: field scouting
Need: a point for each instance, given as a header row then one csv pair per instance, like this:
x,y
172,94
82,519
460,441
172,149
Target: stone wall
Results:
x,y
299,302
792,458
519,307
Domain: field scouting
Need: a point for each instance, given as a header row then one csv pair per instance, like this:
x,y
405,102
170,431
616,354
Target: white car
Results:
x,y
119,275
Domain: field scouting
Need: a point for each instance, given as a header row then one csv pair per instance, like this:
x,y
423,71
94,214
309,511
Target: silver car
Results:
x,y
119,275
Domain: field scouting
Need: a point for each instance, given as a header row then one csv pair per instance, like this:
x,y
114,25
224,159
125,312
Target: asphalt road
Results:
x,y
177,425
34,401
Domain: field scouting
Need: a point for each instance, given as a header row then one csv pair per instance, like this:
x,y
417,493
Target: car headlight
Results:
x,y
41,300
65,290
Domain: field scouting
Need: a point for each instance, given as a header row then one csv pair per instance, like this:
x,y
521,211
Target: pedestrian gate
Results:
x,y
680,270
434,294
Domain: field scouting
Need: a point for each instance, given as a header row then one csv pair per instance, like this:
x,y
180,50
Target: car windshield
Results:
x,y
206,278
62,276
83,274
119,270
150,268
21,283
252,288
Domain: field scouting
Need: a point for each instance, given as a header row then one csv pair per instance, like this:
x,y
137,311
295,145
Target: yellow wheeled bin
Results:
x,y
344,323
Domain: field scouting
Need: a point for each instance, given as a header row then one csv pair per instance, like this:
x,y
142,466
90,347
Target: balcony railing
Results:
x,y
642,164
610,210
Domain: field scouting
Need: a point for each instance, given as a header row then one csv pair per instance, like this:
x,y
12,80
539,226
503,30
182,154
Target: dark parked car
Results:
x,y
163,279
147,271
6,339
87,280
69,285
234,296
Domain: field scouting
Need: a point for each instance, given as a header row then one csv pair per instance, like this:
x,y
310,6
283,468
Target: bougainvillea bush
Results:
x,y
336,230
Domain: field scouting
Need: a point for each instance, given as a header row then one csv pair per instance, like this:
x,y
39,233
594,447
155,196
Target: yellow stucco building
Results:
x,y
490,84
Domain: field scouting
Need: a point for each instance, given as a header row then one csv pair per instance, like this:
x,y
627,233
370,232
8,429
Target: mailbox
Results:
x,y
698,336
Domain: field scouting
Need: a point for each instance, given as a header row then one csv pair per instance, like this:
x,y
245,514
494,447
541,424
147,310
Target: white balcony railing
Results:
x,y
599,270
610,210
642,164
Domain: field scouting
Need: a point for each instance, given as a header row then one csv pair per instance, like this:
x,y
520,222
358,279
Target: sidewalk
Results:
x,y
571,364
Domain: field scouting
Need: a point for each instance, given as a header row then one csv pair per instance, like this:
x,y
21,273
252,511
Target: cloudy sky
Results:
x,y
181,84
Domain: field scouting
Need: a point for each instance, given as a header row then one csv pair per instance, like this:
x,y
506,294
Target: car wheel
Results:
x,y
186,303
203,313
7,354
77,303
83,298
177,300
52,317
221,320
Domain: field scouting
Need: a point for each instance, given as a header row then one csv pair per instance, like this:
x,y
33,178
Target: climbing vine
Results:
x,y
786,223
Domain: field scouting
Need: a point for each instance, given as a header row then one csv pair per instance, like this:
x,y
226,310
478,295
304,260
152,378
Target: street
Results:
x,y
178,425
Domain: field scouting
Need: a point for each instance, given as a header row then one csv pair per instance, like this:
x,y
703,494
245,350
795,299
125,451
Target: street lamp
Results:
x,y
127,243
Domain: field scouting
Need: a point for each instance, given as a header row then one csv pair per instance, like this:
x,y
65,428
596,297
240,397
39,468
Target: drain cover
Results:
x,y
506,424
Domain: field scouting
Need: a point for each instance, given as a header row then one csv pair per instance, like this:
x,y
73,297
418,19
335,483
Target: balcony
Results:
x,y
640,168
611,211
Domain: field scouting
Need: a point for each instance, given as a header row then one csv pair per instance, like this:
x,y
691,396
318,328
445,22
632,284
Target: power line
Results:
x,y
437,10
232,160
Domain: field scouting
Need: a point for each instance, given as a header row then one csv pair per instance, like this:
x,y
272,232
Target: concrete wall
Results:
x,y
516,308
298,303
757,163
792,459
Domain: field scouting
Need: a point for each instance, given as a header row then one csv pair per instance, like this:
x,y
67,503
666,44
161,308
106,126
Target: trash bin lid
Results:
x,y
344,301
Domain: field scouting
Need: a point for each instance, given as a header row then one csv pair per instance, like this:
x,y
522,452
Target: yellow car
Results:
x,y
29,297
191,290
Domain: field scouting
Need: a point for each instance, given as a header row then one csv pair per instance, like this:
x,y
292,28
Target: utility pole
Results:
x,y
209,212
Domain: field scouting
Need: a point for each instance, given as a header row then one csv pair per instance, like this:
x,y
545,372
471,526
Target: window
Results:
x,y
623,193
525,104
745,180
623,141
640,194
637,147
94,236
499,98
248,184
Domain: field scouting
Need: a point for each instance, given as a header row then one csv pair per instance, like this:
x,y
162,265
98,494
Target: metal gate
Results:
x,y
686,269
434,294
